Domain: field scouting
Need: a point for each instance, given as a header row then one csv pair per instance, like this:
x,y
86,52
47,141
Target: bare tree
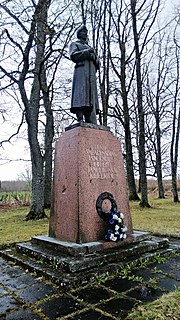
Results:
x,y
157,95
147,22
120,61
176,125
32,52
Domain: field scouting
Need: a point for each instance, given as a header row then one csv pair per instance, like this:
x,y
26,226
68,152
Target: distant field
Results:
x,y
19,198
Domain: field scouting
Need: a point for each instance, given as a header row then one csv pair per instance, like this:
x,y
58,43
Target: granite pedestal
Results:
x,y
88,162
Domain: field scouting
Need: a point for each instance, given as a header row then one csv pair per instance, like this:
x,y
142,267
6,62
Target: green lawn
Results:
x,y
14,228
162,218
165,308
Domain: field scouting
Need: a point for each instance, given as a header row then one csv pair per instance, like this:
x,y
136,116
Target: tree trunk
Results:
x,y
174,157
37,205
158,129
142,159
158,159
32,114
129,166
104,74
175,131
49,134
129,156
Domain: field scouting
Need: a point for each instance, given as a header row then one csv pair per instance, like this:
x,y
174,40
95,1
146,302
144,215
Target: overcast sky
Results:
x,y
11,166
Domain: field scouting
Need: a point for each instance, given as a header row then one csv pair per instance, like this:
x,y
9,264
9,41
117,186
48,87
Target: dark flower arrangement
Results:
x,y
116,229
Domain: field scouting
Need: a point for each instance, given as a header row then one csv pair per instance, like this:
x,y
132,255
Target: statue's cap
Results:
x,y
82,28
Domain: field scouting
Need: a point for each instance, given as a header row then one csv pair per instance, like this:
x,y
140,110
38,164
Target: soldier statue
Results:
x,y
84,98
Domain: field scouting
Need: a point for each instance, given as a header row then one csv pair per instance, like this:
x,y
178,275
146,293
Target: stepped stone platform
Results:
x,y
76,249
67,269
114,288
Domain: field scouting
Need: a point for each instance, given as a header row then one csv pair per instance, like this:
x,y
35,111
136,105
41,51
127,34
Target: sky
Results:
x,y
15,156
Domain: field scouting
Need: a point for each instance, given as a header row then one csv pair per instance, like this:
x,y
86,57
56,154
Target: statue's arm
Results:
x,y
78,55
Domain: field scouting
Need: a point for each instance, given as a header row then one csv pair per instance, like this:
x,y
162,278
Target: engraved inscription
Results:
x,y
100,163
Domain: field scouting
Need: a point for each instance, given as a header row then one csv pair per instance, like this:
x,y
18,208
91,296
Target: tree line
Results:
x,y
138,83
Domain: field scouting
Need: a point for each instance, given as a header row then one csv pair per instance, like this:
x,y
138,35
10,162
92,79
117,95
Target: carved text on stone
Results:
x,y
100,164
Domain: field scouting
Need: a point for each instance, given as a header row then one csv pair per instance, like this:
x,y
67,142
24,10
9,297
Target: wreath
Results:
x,y
115,229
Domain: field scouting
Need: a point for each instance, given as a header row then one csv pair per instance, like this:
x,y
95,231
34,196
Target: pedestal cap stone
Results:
x,y
88,162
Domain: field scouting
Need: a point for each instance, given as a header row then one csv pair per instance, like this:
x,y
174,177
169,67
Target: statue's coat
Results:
x,y
84,86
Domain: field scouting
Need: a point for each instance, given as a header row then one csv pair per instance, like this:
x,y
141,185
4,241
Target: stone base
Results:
x,y
88,162
76,249
50,252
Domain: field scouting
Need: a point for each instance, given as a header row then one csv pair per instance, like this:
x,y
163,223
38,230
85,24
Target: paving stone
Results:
x,y
20,282
90,315
176,275
165,267
36,292
22,315
59,307
8,303
118,307
92,294
120,285
146,274
168,284
2,291
174,262
9,272
145,293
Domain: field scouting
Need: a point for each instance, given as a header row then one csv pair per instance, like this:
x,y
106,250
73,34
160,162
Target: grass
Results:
x,y
166,307
14,228
163,218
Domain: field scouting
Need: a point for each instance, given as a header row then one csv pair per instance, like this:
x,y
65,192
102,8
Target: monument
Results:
x,y
88,163
90,222
90,204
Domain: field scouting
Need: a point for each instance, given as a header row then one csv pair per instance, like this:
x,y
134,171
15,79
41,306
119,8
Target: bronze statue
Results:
x,y
84,98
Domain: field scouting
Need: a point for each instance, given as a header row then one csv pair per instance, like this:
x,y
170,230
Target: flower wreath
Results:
x,y
116,229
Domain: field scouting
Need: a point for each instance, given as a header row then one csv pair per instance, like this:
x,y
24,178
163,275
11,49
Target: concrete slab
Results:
x,y
22,315
93,294
88,125
91,314
120,285
145,293
36,292
59,307
168,284
118,307
20,282
8,303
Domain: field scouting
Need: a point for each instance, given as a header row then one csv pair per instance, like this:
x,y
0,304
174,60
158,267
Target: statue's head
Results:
x,y
82,32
